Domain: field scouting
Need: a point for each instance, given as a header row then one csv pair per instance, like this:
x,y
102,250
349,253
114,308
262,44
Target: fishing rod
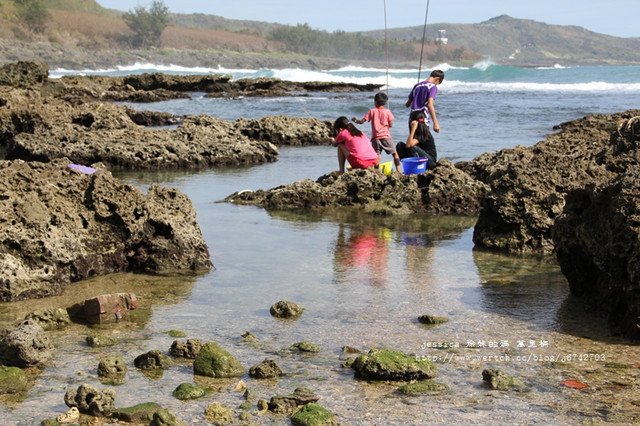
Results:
x,y
424,33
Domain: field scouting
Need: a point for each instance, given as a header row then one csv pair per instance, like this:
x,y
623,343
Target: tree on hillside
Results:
x,y
33,13
147,25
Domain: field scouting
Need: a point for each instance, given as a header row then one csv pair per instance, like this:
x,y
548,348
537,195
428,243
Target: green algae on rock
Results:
x,y
432,319
422,387
214,361
497,380
305,346
100,341
314,415
186,391
12,380
138,413
388,364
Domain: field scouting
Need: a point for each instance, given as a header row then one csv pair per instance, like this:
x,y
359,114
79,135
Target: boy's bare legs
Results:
x,y
396,161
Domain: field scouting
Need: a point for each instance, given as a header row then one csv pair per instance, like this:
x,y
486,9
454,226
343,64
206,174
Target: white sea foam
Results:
x,y
396,78
483,65
595,86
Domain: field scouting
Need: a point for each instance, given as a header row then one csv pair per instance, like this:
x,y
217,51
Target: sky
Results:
x,y
613,17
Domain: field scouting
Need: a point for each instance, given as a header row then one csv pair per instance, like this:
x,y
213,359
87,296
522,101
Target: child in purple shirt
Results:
x,y
422,97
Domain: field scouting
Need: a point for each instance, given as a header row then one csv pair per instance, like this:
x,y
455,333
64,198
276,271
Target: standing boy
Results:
x,y
422,97
381,120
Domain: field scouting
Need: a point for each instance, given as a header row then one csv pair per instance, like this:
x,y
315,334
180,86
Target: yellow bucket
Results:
x,y
386,168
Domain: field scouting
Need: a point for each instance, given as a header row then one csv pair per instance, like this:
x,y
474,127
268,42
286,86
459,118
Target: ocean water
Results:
x,y
363,281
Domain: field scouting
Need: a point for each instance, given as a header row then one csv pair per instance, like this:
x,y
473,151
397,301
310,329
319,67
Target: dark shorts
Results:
x,y
383,144
361,164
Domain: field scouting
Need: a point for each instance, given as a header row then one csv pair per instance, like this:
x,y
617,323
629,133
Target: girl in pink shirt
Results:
x,y
353,146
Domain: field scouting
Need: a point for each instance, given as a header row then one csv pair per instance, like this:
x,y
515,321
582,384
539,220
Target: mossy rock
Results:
x,y
112,369
218,414
164,417
50,422
140,413
214,361
13,380
286,309
388,364
287,404
152,360
100,341
423,387
186,391
248,336
432,319
306,346
267,369
314,415
176,333
497,380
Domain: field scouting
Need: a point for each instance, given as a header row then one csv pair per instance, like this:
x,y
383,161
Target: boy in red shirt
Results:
x,y
381,120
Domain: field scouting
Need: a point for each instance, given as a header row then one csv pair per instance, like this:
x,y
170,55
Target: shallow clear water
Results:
x,y
363,282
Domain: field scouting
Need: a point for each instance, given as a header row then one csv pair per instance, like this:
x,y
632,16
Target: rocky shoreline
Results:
x,y
518,193
66,218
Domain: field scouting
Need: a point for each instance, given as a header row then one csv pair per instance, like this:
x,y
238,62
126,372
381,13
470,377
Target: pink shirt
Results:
x,y
381,120
358,146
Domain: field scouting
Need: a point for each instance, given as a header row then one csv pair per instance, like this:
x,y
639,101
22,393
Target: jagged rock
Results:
x,y
24,74
64,225
285,309
282,130
25,345
387,364
446,190
214,361
288,404
597,241
185,349
528,185
451,191
90,400
267,369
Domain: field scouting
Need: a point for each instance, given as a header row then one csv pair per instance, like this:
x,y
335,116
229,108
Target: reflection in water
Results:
x,y
529,289
363,254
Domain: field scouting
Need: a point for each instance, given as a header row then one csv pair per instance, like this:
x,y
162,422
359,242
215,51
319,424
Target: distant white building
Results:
x,y
441,39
